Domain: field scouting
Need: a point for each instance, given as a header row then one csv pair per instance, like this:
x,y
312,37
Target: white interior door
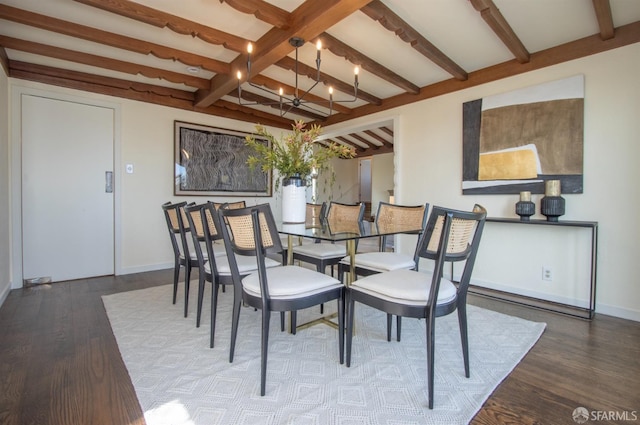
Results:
x,y
365,180
67,211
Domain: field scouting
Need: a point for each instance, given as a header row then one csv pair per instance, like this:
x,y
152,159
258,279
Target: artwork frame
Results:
x,y
515,141
212,161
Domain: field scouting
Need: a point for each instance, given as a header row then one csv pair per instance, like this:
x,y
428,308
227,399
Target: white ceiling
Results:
x,y
455,27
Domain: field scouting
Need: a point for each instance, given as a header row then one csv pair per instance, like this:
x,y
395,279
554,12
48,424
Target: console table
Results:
x,y
586,313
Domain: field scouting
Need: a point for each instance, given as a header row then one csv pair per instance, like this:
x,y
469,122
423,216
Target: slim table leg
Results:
x,y
351,251
290,263
289,250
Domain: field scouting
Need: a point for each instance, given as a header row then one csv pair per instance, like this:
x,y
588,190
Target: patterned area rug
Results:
x,y
179,380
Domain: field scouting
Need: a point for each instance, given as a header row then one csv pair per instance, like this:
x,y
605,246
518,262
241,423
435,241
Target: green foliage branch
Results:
x,y
297,153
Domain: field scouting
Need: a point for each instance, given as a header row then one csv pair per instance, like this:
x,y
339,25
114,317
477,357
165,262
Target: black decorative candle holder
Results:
x,y
525,209
552,204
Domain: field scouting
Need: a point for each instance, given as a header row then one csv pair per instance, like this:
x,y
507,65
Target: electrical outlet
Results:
x,y
547,274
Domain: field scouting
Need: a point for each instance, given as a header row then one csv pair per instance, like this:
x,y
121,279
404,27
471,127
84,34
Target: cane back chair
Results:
x,y
450,236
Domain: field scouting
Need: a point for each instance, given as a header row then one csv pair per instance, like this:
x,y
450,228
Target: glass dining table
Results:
x,y
348,232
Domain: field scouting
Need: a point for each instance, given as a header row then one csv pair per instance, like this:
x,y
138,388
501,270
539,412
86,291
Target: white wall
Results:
x,y
345,188
5,204
428,137
146,141
382,179
428,168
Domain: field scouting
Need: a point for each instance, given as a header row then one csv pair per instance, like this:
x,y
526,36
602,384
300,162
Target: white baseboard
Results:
x,y
609,310
532,293
5,293
622,313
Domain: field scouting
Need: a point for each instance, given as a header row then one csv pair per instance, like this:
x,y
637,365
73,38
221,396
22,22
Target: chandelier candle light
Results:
x,y
298,99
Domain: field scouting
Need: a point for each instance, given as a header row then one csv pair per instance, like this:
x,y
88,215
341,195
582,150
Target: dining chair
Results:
x,y
201,227
316,211
368,263
184,256
214,265
231,205
252,232
450,236
329,254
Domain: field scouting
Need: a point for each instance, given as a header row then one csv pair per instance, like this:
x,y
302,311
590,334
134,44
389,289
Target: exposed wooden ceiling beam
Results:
x,y
175,23
607,38
387,130
605,20
345,141
492,16
336,46
265,101
106,83
379,138
341,49
138,91
303,69
262,10
102,62
252,115
274,85
115,40
361,151
591,45
377,11
375,151
4,60
309,20
369,143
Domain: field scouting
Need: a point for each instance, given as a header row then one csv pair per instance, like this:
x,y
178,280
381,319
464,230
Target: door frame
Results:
x,y
15,148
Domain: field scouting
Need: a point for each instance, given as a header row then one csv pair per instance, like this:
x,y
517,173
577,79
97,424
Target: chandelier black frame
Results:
x,y
297,100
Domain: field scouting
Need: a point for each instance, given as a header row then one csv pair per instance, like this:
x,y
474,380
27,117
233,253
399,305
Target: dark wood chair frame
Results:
x,y
203,220
174,215
264,302
431,310
322,263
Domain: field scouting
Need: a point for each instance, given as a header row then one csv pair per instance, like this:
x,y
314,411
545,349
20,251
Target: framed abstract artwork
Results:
x,y
212,161
515,141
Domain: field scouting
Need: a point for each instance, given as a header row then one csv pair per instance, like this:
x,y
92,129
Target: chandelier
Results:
x,y
288,101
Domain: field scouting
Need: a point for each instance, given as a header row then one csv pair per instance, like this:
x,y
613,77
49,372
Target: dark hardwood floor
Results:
x,y
59,362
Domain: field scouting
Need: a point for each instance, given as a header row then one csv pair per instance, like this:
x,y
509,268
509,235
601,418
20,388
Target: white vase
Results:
x,y
294,200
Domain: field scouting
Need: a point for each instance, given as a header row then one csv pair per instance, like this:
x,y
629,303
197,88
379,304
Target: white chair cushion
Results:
x,y
246,265
321,250
405,287
218,249
381,261
290,282
194,256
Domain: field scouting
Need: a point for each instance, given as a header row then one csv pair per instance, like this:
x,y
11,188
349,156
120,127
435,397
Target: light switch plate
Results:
x,y
129,168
